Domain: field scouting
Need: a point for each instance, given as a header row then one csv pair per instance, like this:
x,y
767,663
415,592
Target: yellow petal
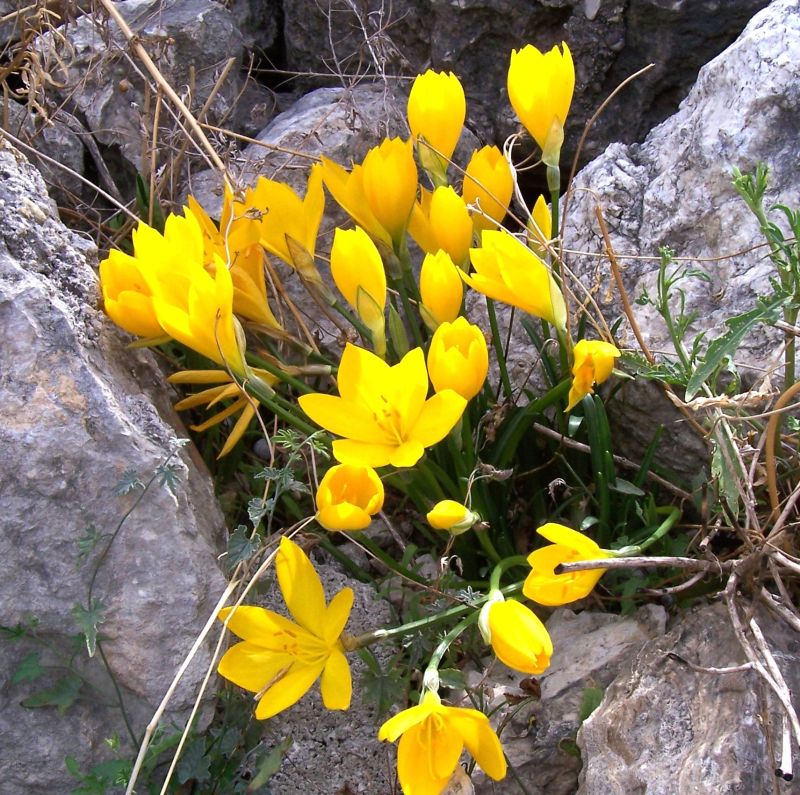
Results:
x,y
438,417
361,374
252,667
566,536
301,587
428,752
349,451
257,625
519,639
336,615
238,429
288,690
342,417
336,685
343,517
480,739
403,721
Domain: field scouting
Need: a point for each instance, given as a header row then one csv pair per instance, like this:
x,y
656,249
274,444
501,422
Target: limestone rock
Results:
x,y
79,412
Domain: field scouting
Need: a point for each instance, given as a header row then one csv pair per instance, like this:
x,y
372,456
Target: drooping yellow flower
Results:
x,y
358,272
510,272
432,737
517,636
451,516
436,111
382,412
488,184
458,358
441,290
593,363
540,227
280,659
540,87
440,220
348,497
546,587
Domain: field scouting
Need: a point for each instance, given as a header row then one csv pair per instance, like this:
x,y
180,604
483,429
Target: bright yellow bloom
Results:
x,y
540,87
540,227
440,220
441,290
436,111
280,659
433,737
382,412
458,358
127,299
593,363
508,271
348,497
547,588
517,636
357,269
451,516
488,184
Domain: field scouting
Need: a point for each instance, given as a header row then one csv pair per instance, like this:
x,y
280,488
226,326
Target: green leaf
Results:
x,y
626,487
143,205
452,678
397,333
590,701
61,695
241,546
127,483
87,620
724,463
87,542
269,766
28,670
194,764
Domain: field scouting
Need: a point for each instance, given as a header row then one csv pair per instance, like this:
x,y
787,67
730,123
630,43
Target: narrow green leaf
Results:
x,y
397,333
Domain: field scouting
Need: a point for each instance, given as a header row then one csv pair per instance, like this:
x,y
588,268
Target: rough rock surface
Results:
x,y
78,413
663,728
591,649
610,40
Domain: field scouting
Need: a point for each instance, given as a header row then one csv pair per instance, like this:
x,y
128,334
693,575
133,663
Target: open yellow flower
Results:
x,y
348,497
517,636
593,361
546,587
127,299
458,358
280,659
488,184
436,111
432,737
357,270
441,290
382,412
508,271
451,516
540,88
440,220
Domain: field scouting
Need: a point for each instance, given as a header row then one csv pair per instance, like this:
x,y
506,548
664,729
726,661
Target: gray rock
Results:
x,y
663,728
79,412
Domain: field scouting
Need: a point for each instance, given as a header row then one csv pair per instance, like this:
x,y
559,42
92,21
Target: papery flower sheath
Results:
x,y
517,636
451,516
441,290
279,659
382,411
458,358
593,361
432,737
348,497
546,587
488,184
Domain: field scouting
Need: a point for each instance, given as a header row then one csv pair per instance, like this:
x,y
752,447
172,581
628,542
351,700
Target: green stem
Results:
x,y
432,671
280,406
554,185
497,572
263,364
498,349
660,532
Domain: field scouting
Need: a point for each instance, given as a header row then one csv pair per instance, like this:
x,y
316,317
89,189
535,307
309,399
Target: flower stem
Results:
x,y
660,532
498,348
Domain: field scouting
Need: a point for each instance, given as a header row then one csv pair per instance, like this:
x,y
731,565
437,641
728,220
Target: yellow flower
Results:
x,y
547,588
390,185
540,227
488,184
452,516
280,659
458,358
441,290
348,497
440,220
432,737
593,363
508,271
357,269
436,111
517,636
127,299
540,87
382,412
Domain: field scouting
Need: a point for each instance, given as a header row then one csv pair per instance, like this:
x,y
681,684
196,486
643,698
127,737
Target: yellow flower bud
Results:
x,y
436,111
540,227
441,289
348,497
440,220
458,358
593,363
540,87
452,516
127,299
488,184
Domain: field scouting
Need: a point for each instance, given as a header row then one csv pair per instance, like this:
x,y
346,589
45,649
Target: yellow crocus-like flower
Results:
x,y
458,358
441,290
540,227
348,497
451,516
127,299
547,588
540,87
508,271
357,270
382,412
593,361
517,636
440,220
280,659
436,112
489,185
432,737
